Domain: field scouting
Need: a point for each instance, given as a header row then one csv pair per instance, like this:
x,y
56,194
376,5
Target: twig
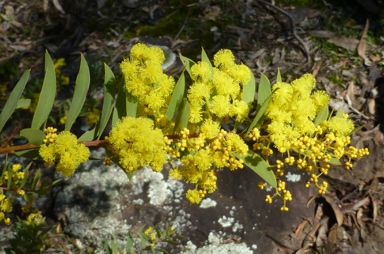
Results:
x,y
181,29
293,28
355,110
12,149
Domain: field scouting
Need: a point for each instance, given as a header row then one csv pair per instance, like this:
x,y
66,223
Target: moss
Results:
x,y
358,61
301,3
176,24
335,79
8,70
171,24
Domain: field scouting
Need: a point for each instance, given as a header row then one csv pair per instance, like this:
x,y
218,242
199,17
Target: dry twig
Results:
x,y
292,26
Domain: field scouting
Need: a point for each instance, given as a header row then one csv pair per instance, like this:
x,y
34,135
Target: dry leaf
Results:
x,y
311,199
352,92
45,5
212,12
281,247
338,213
276,56
359,216
321,34
316,68
300,228
58,6
372,106
322,233
100,3
355,206
257,54
362,47
374,203
332,235
374,58
345,42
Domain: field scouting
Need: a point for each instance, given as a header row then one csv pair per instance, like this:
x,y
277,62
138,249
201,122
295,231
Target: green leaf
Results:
x,y
179,116
249,90
87,136
34,136
258,120
340,112
322,115
115,117
107,248
10,173
278,77
120,109
129,174
116,160
129,243
357,129
260,167
32,154
25,175
13,99
131,103
47,95
334,161
264,90
160,250
80,93
187,63
185,115
28,198
109,96
23,103
114,245
143,240
177,96
36,179
4,170
205,58
158,232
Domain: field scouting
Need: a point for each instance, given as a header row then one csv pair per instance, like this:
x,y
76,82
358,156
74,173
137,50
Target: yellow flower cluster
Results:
x,y
34,219
137,143
35,100
50,135
216,91
151,234
292,110
93,117
17,174
61,78
3,92
5,207
63,119
65,152
280,191
144,77
291,128
315,180
201,156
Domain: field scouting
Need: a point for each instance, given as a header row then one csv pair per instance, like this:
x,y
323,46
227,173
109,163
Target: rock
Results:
x,y
98,202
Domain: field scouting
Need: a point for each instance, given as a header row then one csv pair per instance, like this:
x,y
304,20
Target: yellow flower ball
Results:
x,y
137,143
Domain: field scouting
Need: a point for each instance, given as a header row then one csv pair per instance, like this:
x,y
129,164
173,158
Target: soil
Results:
x,y
340,44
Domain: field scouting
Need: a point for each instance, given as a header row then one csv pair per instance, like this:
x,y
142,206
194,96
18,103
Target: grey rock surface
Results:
x,y
98,202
